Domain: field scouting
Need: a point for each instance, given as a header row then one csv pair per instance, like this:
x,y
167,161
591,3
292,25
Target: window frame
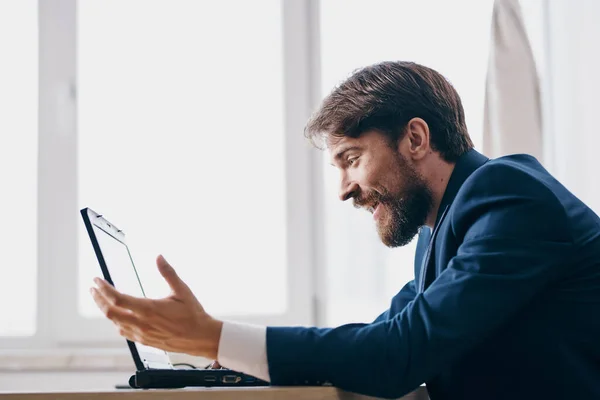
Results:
x,y
58,322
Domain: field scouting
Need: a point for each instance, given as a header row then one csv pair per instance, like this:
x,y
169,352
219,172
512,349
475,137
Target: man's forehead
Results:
x,y
339,142
335,142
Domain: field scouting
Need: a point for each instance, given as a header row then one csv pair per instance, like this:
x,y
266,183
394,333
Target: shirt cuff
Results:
x,y
243,348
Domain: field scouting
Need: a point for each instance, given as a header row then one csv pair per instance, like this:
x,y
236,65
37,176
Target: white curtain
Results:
x,y
562,38
513,119
573,107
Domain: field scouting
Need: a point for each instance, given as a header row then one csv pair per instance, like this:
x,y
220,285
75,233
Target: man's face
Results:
x,y
376,175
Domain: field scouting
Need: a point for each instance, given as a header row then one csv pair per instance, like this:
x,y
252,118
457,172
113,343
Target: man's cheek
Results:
x,y
365,177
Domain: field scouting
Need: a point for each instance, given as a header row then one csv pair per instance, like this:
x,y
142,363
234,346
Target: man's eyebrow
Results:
x,y
341,153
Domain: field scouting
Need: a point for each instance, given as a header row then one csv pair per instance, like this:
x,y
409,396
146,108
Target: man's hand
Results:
x,y
177,323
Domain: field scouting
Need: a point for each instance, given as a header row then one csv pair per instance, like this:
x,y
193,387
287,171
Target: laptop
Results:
x,y
153,366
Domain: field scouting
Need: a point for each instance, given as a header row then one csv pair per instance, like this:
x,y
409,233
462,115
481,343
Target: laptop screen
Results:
x,y
126,280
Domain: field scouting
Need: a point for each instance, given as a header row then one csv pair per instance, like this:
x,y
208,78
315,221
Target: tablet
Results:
x,y
119,270
154,368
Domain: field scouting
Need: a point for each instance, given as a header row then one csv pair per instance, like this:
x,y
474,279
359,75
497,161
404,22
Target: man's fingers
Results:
x,y
168,272
120,299
115,313
139,337
134,336
129,324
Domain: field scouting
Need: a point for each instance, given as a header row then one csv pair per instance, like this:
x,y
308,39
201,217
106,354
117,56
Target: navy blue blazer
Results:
x,y
505,303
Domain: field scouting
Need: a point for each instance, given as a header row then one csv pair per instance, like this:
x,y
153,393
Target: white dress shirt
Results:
x,y
243,348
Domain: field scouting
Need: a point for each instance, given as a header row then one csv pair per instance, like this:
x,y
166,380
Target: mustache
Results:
x,y
368,200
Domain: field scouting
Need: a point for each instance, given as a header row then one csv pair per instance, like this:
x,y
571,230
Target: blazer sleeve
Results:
x,y
515,238
399,302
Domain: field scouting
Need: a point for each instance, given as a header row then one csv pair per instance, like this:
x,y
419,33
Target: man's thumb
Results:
x,y
167,272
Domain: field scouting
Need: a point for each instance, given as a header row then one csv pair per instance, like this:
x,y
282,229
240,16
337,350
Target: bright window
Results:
x,y
18,166
181,145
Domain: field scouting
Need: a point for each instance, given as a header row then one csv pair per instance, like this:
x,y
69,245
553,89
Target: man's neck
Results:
x,y
438,182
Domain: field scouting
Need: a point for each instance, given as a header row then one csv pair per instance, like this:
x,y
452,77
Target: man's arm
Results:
x,y
515,237
243,348
513,245
400,300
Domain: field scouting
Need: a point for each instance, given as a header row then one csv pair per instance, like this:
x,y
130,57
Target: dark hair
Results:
x,y
384,97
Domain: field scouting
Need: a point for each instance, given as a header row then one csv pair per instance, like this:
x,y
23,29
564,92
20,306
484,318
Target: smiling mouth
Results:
x,y
372,208
377,211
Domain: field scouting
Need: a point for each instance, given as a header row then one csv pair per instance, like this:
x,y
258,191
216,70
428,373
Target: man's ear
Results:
x,y
416,138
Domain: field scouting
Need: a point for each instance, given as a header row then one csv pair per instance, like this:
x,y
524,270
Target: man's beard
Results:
x,y
404,213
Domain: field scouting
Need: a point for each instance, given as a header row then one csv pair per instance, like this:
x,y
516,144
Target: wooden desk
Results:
x,y
268,393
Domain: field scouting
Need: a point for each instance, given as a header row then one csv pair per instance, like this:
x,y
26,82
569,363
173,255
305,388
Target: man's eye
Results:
x,y
352,160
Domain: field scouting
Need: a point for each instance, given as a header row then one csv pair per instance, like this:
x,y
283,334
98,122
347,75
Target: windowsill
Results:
x,y
78,360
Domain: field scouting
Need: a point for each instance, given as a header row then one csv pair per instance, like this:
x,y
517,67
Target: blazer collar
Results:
x,y
464,167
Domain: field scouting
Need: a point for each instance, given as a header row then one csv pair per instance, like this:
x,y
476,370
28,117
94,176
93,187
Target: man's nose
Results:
x,y
348,190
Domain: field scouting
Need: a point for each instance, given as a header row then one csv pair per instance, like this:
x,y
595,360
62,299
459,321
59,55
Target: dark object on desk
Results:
x,y
171,379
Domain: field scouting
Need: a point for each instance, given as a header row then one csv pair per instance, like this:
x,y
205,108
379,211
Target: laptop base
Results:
x,y
180,378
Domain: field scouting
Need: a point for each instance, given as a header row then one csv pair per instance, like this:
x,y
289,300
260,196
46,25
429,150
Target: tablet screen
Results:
x,y
119,263
126,280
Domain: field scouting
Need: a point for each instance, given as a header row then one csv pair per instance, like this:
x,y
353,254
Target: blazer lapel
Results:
x,y
427,270
464,167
